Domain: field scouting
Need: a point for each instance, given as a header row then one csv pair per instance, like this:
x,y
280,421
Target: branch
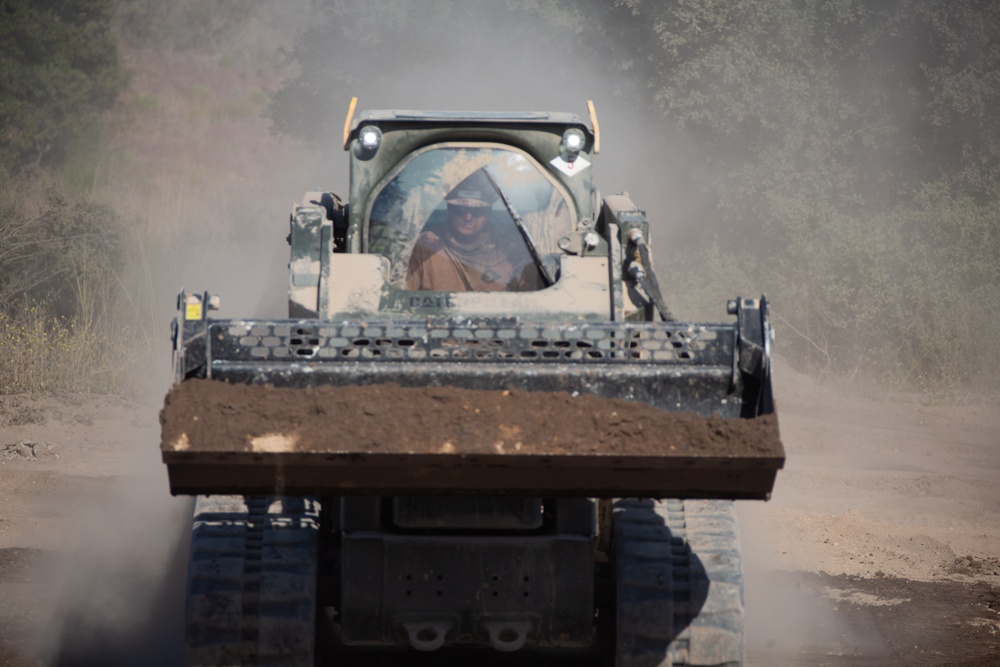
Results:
x,y
809,340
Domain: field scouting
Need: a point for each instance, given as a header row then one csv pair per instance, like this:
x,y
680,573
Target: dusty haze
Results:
x,y
210,187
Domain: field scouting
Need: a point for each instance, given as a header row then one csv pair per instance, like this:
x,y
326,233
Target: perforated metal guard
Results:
x,y
420,341
673,367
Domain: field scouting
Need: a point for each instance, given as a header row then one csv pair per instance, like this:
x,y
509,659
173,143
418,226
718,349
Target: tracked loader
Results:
x,y
480,432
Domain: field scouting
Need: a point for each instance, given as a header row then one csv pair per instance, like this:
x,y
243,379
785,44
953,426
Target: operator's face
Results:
x,y
467,221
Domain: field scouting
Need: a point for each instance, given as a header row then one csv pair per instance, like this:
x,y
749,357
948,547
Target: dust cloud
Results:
x,y
214,197
488,56
118,592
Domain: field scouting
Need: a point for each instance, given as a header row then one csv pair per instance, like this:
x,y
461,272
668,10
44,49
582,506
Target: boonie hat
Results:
x,y
474,191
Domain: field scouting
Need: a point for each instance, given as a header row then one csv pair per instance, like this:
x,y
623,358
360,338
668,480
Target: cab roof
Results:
x,y
386,118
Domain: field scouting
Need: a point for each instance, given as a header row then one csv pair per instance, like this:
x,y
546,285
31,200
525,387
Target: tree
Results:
x,y
842,155
60,70
58,248
845,100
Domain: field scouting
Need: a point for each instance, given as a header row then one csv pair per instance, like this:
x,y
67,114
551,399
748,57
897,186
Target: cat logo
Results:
x,y
431,301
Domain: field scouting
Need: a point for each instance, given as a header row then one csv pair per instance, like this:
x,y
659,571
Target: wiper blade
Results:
x,y
532,248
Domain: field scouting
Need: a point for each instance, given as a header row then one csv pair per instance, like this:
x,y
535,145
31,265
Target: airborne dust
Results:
x,y
215,189
217,195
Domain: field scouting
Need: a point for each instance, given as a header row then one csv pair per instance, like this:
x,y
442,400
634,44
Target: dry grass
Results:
x,y
44,352
189,168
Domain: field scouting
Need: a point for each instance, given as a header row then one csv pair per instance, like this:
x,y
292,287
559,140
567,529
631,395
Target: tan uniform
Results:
x,y
443,263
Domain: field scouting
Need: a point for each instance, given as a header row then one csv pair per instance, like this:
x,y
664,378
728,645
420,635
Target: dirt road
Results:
x,y
881,545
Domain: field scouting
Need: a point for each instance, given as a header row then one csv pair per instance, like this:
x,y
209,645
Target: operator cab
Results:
x,y
457,214
422,219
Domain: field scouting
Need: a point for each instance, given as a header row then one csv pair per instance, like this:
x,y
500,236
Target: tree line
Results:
x,y
847,153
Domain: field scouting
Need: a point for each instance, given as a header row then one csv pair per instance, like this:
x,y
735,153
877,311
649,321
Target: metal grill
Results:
x,y
411,341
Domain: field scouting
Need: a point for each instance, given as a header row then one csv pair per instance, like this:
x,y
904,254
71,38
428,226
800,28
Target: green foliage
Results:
x,y
862,141
57,248
299,107
79,306
180,24
846,154
843,102
846,157
65,323
86,154
61,69
45,352
145,103
906,296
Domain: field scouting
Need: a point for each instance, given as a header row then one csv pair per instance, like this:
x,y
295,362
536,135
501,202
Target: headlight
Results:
x,y
573,141
370,138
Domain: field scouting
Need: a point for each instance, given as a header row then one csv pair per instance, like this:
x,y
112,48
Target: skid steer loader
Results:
x,y
480,428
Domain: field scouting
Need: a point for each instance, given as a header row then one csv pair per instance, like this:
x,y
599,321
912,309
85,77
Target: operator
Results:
x,y
464,255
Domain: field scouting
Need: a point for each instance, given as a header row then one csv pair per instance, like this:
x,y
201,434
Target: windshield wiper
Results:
x,y
532,248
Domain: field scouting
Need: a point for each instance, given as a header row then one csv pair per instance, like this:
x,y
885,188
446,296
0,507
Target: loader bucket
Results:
x,y
482,406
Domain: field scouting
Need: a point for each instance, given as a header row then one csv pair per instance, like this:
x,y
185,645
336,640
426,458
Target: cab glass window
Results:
x,y
461,218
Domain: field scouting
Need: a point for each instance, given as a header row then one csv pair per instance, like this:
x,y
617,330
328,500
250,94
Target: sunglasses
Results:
x,y
462,211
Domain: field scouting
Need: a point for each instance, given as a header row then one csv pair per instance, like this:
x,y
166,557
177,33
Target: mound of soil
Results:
x,y
206,415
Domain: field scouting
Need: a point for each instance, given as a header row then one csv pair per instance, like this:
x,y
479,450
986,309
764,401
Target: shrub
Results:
x,y
63,322
61,70
46,352
906,297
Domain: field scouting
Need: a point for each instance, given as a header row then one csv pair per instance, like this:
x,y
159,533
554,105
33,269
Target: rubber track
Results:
x,y
679,577
252,582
